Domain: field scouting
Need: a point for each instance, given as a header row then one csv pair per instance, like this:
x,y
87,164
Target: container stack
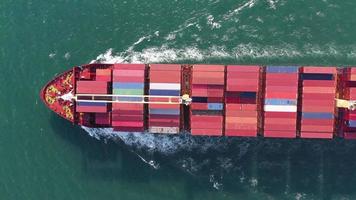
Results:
x,y
128,79
280,106
241,115
164,81
103,75
91,87
350,94
318,102
208,97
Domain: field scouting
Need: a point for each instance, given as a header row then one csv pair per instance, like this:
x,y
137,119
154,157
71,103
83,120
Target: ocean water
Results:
x,y
45,157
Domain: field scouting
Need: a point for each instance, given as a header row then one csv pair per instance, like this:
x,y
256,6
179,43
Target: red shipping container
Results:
x,y
352,77
277,76
318,83
282,82
175,120
280,115
199,106
279,127
318,89
95,87
316,96
91,109
242,133
281,89
318,122
242,88
280,95
164,124
215,93
208,68
314,108
242,120
243,68
202,124
242,82
316,128
103,78
164,117
130,73
286,121
280,134
352,93
208,81
242,75
130,66
215,99
207,132
165,67
233,100
128,79
319,102
241,126
317,135
127,123
201,75
133,118
128,129
128,112
239,113
318,70
105,72
250,107
350,117
165,77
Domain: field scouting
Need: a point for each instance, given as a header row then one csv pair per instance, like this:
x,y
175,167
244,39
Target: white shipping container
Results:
x,y
280,108
165,86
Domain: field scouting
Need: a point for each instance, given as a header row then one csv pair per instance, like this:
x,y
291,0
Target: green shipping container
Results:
x,y
128,91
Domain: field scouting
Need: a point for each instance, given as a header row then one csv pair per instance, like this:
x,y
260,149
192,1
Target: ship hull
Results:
x,y
208,100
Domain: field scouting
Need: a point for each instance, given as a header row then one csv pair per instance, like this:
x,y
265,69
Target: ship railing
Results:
x,y
138,99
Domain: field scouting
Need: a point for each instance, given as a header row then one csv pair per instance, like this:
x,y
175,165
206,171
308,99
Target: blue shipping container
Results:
x,y
308,115
164,111
215,106
120,85
280,102
352,123
165,92
91,104
282,69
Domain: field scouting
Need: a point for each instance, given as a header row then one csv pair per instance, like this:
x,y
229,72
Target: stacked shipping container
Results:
x,y
242,87
128,79
103,74
208,96
350,94
318,102
91,87
280,106
164,81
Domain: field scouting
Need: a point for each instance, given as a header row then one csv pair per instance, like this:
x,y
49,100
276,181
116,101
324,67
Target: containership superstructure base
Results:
x,y
209,100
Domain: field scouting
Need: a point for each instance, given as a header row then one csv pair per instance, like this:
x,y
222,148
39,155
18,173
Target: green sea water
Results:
x,y
45,157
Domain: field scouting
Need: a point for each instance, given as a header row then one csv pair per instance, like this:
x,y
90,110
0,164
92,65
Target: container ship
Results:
x,y
208,100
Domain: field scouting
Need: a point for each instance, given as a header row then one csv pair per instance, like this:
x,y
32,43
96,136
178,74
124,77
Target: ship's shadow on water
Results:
x,y
277,167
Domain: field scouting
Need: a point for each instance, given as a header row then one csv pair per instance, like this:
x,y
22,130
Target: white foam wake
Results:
x,y
164,54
